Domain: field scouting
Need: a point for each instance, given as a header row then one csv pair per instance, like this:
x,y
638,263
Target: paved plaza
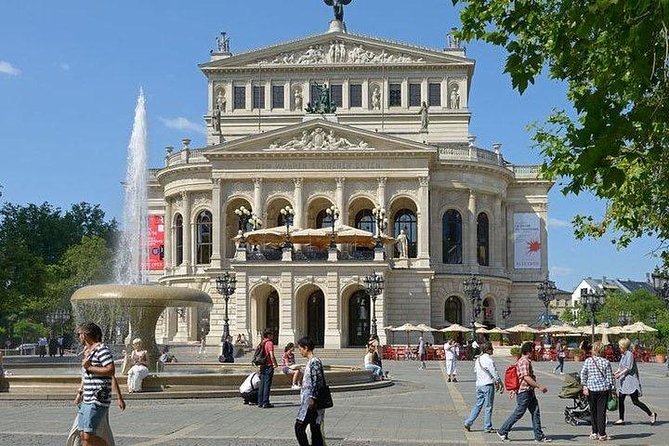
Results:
x,y
420,409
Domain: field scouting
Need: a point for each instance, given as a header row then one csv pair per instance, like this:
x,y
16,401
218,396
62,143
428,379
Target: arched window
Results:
x,y
453,310
406,219
323,220
179,239
358,318
451,233
365,220
204,234
482,240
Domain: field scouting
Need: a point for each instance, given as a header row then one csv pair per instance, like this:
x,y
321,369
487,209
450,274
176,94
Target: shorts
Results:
x,y
90,417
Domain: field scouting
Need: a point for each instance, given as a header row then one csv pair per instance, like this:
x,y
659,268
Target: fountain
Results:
x,y
128,301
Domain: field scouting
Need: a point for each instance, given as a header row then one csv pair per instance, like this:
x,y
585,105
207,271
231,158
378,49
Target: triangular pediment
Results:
x,y
338,48
318,136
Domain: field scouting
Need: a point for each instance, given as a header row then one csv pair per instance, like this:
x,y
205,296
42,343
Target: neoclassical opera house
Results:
x,y
464,209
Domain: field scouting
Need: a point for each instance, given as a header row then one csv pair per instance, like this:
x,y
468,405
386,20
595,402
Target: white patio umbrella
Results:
x,y
275,235
638,327
494,330
407,327
455,328
423,327
388,328
553,329
522,328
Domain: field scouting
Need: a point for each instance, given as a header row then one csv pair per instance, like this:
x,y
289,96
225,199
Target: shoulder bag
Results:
x,y
322,394
612,400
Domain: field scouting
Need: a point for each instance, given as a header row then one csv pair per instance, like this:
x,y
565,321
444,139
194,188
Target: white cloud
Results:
x,y
561,271
182,123
64,66
7,68
557,223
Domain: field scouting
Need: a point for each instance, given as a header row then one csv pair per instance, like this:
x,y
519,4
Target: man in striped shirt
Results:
x,y
97,379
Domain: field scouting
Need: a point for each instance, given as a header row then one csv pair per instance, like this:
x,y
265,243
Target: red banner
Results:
x,y
156,243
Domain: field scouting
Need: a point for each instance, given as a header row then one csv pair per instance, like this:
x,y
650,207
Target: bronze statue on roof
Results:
x,y
338,6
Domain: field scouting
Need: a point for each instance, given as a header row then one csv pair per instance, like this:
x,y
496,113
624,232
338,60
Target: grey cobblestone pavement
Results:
x,y
421,409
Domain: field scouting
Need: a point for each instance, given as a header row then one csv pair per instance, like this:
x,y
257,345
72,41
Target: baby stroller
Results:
x,y
580,411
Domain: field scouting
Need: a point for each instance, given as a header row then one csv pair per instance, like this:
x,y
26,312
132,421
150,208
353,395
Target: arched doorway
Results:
x,y
316,317
358,318
453,310
489,312
272,315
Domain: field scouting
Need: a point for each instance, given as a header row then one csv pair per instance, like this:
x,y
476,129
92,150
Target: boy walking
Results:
x,y
526,398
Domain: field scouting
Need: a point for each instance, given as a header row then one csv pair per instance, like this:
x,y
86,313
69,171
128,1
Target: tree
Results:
x,y
614,58
641,304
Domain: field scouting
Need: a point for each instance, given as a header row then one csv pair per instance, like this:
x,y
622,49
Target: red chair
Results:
x,y
400,353
430,353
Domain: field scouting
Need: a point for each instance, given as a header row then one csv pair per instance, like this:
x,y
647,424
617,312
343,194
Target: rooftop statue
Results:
x,y
323,104
338,6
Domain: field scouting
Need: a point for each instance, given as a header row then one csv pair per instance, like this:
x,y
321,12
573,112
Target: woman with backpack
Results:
x,y
629,383
312,383
597,381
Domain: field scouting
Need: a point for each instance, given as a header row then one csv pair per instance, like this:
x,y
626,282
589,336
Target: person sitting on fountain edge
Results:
x,y
139,366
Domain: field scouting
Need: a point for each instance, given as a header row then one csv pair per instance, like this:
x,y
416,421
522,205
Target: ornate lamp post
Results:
x,y
379,214
226,285
333,212
256,222
288,215
244,217
506,312
546,294
374,284
60,316
625,318
473,287
592,301
661,285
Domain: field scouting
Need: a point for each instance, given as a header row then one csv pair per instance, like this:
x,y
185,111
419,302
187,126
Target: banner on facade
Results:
x,y
527,241
156,243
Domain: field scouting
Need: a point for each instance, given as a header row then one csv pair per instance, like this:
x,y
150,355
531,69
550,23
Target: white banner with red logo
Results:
x,y
527,241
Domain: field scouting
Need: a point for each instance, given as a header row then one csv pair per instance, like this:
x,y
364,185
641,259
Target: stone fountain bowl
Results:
x,y
143,304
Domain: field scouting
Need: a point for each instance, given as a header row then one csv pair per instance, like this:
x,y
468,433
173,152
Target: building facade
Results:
x,y
399,140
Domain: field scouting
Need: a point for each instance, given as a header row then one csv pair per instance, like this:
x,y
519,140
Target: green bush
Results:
x,y
29,331
660,350
577,351
495,336
527,337
515,351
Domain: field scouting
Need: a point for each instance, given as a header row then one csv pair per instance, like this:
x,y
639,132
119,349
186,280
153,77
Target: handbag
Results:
x,y
612,398
323,395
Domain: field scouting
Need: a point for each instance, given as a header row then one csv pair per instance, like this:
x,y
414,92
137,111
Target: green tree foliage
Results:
x,y
45,254
29,331
613,56
641,304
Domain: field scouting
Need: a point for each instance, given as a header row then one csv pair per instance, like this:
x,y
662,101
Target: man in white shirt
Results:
x,y
249,388
487,381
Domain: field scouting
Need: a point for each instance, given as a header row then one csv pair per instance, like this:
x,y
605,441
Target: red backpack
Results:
x,y
511,380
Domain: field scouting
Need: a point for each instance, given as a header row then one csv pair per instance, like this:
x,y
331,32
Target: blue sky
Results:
x,y
70,73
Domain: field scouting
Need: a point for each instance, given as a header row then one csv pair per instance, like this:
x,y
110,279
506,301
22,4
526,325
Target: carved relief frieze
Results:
x,y
340,52
361,187
237,187
201,199
320,188
402,187
317,139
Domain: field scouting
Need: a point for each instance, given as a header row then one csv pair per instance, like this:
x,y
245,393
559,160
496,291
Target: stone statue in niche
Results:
x,y
297,98
402,242
455,96
216,119
376,98
424,117
220,100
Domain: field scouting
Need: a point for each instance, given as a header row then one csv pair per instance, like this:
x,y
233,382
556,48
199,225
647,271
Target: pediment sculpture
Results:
x,y
339,52
318,139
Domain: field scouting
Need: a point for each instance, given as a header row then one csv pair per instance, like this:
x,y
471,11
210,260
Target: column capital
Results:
x,y
298,181
216,182
382,180
184,195
424,181
340,181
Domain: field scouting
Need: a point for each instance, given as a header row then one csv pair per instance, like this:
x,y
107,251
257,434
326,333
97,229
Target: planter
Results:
x,y
660,358
496,343
578,358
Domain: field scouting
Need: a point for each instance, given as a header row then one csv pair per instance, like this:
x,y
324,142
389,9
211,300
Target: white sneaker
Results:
x,y
295,387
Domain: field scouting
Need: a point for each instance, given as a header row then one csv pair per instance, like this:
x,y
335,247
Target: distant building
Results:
x,y
608,286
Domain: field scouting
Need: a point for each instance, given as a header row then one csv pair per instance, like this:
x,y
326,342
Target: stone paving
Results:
x,y
420,409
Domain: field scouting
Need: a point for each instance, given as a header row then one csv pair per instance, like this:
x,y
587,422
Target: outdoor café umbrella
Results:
x,y
275,235
554,329
638,327
495,330
455,328
522,328
423,327
407,328
389,328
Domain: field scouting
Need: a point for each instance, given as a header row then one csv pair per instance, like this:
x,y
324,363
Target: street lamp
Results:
x,y
288,215
473,287
374,284
625,317
592,300
333,212
546,294
59,316
506,312
244,217
225,285
379,214
661,284
256,222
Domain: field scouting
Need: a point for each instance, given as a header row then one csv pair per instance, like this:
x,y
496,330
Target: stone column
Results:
x,y
405,93
332,314
257,196
381,191
471,231
339,201
496,235
423,218
167,222
287,308
216,222
187,227
345,100
299,219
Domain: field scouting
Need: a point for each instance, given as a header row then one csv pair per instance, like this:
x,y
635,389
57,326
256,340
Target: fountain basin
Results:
x,y
142,304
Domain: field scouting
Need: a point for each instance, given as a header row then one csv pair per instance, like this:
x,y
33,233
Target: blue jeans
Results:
x,y
524,401
485,397
375,369
266,375
560,364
